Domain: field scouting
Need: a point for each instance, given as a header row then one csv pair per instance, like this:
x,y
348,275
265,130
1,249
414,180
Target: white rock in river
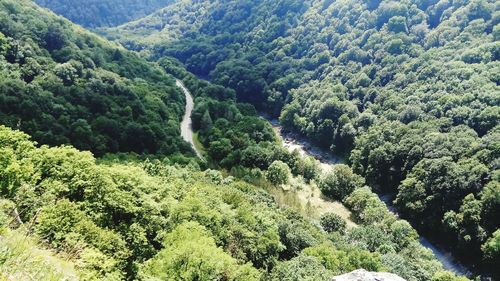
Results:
x,y
363,275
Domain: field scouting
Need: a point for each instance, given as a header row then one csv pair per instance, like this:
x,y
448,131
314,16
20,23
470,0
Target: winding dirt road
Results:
x,y
187,122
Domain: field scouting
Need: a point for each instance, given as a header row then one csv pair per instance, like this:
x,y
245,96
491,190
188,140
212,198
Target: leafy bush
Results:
x,y
191,254
340,182
278,173
300,268
332,222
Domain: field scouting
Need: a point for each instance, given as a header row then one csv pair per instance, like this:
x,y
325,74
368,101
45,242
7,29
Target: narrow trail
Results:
x,y
187,123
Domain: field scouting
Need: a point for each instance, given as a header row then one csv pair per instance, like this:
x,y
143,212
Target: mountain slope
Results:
x,y
407,90
119,220
65,85
97,13
24,259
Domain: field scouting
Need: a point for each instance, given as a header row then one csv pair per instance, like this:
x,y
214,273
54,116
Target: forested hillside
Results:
x,y
64,85
407,90
97,184
99,13
123,219
65,214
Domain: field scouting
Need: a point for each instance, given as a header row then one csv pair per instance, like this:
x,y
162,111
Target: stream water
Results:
x,y
327,159
445,257
305,148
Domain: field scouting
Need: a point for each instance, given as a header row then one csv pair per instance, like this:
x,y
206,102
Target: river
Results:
x,y
445,257
327,160
305,148
187,123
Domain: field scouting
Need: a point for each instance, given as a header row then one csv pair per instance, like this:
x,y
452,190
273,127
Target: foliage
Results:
x,y
191,254
93,14
278,173
22,258
64,85
300,268
491,249
406,90
447,276
366,206
232,133
120,219
340,182
344,260
311,169
331,222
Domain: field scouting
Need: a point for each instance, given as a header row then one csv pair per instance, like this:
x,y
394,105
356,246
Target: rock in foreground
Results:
x,y
363,275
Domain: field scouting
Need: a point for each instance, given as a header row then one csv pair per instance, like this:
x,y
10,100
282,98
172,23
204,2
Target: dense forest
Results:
x,y
96,182
124,219
64,85
407,91
98,13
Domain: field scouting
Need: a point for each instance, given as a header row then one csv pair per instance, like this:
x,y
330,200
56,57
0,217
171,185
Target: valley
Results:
x,y
249,140
317,200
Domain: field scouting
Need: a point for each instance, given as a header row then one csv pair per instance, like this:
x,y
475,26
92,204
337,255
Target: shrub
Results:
x,y
332,222
278,173
340,182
